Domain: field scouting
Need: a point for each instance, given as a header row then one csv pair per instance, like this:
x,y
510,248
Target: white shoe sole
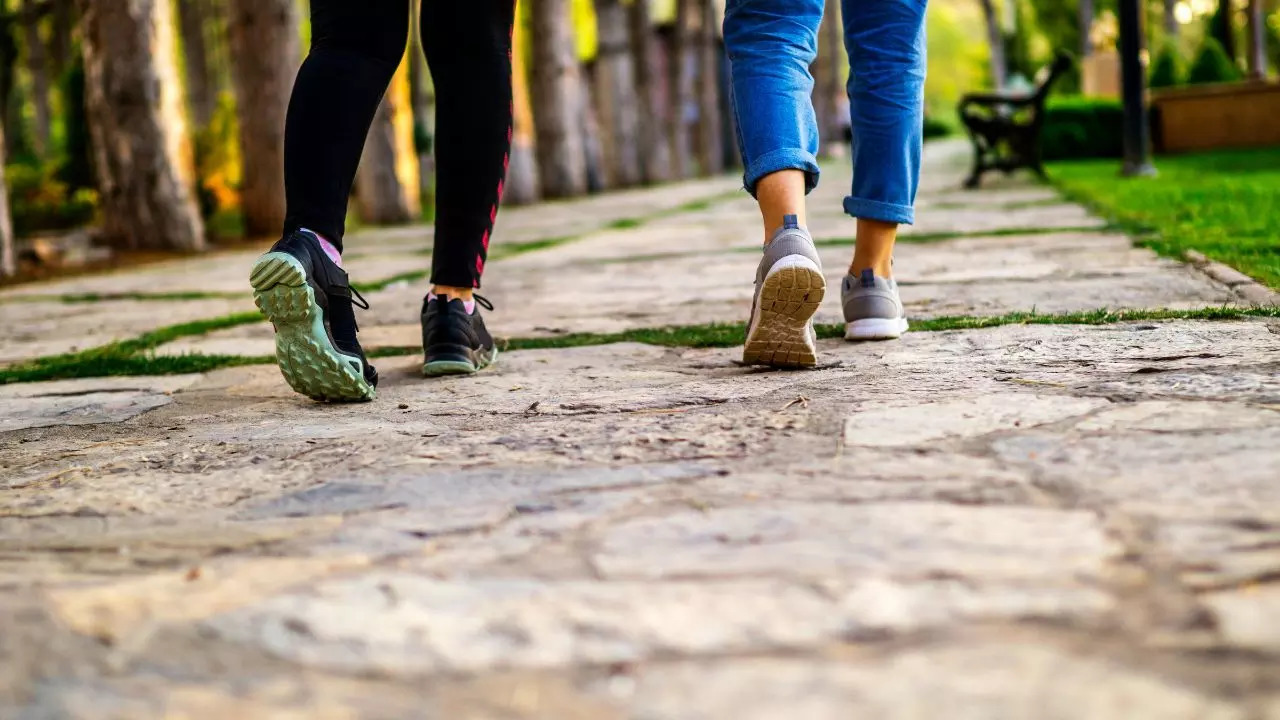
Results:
x,y
876,329
779,334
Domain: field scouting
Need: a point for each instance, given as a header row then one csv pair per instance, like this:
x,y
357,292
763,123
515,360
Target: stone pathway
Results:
x,y
1050,521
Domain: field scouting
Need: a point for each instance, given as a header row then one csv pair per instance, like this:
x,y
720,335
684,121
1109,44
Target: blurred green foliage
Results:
x,y
40,202
937,128
217,159
1225,204
1078,127
1168,69
1212,65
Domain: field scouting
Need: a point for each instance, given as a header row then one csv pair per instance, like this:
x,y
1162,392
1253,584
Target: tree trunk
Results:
x,y
826,76
556,87
387,182
263,37
680,85
200,92
616,97
654,150
1086,24
8,261
37,65
995,41
422,99
1170,19
522,168
589,125
136,121
60,39
1257,41
710,142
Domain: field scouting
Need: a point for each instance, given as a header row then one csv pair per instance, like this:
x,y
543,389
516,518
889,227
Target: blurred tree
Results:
x,y
193,16
38,67
995,43
827,90
60,36
561,154
422,100
1257,41
710,143
1223,30
263,38
583,18
136,121
616,96
8,261
655,152
522,170
680,82
77,169
387,179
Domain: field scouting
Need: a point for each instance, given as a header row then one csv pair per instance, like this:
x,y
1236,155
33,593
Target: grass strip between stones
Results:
x,y
131,357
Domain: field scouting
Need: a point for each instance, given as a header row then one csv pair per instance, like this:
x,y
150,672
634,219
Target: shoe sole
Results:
x,y
307,359
789,297
441,368
876,329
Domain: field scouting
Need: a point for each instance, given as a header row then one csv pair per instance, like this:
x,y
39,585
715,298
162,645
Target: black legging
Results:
x,y
356,46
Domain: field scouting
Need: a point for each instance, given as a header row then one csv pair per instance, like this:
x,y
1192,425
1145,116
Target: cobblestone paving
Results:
x,y
1023,521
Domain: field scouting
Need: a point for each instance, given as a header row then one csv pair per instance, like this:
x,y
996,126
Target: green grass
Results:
x,y
1225,204
132,357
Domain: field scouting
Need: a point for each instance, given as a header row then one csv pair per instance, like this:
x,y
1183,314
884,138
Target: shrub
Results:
x,y
40,202
217,156
1212,65
1220,29
1167,70
1082,128
935,128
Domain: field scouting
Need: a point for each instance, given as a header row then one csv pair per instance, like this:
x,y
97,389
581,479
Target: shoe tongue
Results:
x,y
342,324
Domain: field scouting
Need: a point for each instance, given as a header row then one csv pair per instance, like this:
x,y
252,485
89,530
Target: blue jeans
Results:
x,y
771,44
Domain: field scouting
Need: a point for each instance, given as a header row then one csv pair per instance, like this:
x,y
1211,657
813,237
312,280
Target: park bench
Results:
x,y
1005,126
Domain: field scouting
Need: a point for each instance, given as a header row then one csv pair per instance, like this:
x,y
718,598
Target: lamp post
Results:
x,y
1133,77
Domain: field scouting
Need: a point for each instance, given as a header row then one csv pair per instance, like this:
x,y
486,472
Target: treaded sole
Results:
x,y
789,297
440,368
307,359
876,329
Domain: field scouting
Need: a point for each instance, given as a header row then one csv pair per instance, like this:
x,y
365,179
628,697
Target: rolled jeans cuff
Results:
x,y
877,210
783,159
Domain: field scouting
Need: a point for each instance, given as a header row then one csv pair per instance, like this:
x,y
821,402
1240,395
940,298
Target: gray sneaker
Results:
x,y
789,289
872,308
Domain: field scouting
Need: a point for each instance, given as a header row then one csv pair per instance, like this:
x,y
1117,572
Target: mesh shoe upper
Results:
x,y
333,293
869,296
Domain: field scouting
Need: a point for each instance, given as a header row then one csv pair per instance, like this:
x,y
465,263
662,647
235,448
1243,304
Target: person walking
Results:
x,y
771,44
300,284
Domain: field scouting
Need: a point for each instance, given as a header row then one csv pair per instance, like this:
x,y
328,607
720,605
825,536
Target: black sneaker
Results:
x,y
455,341
311,304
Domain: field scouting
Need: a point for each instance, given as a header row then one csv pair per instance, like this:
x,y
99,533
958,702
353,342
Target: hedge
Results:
x,y
1077,128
